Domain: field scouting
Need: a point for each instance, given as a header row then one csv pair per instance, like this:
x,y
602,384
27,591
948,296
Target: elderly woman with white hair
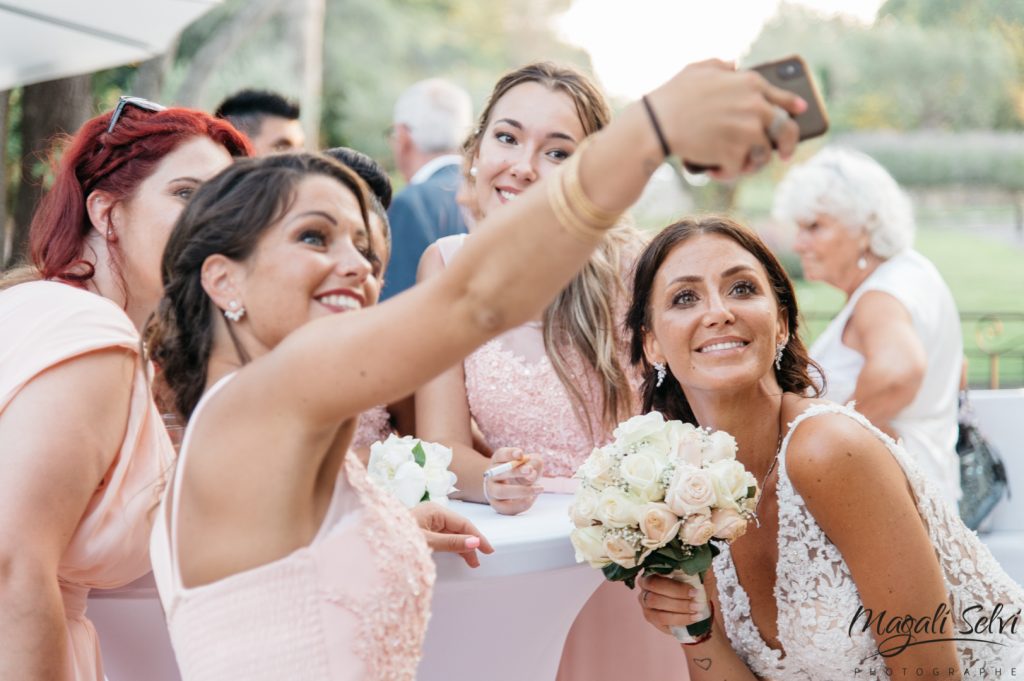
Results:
x,y
896,347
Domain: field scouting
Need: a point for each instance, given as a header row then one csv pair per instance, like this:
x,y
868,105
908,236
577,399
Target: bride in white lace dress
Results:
x,y
859,568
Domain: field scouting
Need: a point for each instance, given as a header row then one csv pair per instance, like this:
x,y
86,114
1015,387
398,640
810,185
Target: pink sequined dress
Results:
x,y
353,605
517,400
374,425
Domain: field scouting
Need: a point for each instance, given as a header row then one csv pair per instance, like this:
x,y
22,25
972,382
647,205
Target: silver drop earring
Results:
x,y
473,171
660,368
778,354
862,262
236,312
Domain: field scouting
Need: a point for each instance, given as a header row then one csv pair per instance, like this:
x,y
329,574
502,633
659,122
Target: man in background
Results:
x,y
270,121
430,121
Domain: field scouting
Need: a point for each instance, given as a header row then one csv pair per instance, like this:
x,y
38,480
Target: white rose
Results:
x,y
721,446
599,468
697,530
691,491
642,471
409,483
659,525
583,511
620,551
588,543
437,455
440,482
387,456
728,524
731,481
690,447
615,508
646,426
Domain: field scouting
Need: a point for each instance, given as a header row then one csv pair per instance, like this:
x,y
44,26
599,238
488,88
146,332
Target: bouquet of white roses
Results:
x,y
412,470
656,499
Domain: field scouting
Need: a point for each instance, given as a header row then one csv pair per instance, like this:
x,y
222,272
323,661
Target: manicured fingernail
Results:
x,y
801,105
472,542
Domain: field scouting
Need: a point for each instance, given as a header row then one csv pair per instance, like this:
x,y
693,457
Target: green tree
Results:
x,y
898,75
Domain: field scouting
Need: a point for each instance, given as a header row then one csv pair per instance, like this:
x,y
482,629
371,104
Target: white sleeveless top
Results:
x,y
928,425
817,597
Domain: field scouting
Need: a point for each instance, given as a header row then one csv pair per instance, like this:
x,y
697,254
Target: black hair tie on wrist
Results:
x,y
657,127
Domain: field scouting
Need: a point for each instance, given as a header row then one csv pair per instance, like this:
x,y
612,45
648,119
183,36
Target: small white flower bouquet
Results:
x,y
412,470
655,500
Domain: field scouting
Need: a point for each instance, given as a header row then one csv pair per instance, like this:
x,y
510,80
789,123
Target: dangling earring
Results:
x,y
778,354
473,171
862,262
660,368
236,312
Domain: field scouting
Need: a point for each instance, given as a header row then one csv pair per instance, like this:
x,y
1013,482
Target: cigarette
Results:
x,y
506,467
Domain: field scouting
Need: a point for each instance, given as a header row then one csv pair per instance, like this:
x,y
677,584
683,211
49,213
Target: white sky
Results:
x,y
636,45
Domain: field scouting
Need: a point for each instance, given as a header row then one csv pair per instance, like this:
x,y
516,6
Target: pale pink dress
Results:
x,y
46,323
374,425
353,605
517,400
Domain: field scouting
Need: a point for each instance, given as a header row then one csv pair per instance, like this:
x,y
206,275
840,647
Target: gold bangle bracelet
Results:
x,y
594,221
579,200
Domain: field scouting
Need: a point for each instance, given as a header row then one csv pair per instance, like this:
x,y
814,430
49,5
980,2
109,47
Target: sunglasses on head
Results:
x,y
137,102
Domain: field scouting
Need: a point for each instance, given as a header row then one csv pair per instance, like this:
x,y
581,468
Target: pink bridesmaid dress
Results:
x,y
517,400
44,324
374,425
350,606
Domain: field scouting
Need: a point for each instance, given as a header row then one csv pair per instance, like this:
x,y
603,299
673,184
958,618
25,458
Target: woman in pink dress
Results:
x,y
82,446
273,556
555,387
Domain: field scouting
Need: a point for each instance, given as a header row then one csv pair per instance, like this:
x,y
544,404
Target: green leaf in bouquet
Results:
x,y
673,551
751,491
699,561
614,572
419,455
425,497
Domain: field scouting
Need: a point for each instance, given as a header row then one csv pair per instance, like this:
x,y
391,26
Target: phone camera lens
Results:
x,y
789,70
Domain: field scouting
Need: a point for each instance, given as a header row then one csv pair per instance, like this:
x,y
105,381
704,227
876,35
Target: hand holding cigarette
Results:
x,y
506,467
510,484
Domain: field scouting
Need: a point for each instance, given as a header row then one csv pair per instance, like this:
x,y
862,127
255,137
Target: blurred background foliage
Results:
x,y
933,89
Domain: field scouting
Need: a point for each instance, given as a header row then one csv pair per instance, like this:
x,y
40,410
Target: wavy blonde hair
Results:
x,y
586,316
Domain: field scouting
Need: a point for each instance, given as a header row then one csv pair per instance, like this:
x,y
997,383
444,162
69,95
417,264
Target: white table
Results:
x,y
504,621
507,620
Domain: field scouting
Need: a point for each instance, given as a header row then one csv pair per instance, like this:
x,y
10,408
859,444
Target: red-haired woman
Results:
x,y
82,446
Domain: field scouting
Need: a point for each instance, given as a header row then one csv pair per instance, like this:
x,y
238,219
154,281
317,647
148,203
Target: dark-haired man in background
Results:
x,y
270,121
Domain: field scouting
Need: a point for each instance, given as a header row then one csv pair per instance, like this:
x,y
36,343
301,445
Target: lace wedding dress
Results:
x,y
817,597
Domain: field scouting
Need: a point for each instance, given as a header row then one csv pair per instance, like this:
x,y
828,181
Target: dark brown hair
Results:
x,y
795,374
227,216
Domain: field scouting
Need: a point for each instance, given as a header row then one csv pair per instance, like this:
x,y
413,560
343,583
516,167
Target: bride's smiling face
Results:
x,y
714,318
531,131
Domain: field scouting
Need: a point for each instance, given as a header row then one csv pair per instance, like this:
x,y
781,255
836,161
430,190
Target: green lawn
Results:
x,y
985,275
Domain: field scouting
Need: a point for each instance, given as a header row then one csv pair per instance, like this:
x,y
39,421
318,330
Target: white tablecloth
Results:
x,y
504,621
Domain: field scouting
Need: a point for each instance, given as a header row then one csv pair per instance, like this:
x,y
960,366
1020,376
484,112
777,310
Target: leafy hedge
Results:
x,y
937,158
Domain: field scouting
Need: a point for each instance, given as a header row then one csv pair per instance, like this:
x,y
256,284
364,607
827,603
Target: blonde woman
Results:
x,y
556,386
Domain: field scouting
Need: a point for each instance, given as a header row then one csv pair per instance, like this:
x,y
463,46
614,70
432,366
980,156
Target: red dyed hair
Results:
x,y
115,162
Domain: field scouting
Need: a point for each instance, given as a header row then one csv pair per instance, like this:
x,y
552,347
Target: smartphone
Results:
x,y
790,74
